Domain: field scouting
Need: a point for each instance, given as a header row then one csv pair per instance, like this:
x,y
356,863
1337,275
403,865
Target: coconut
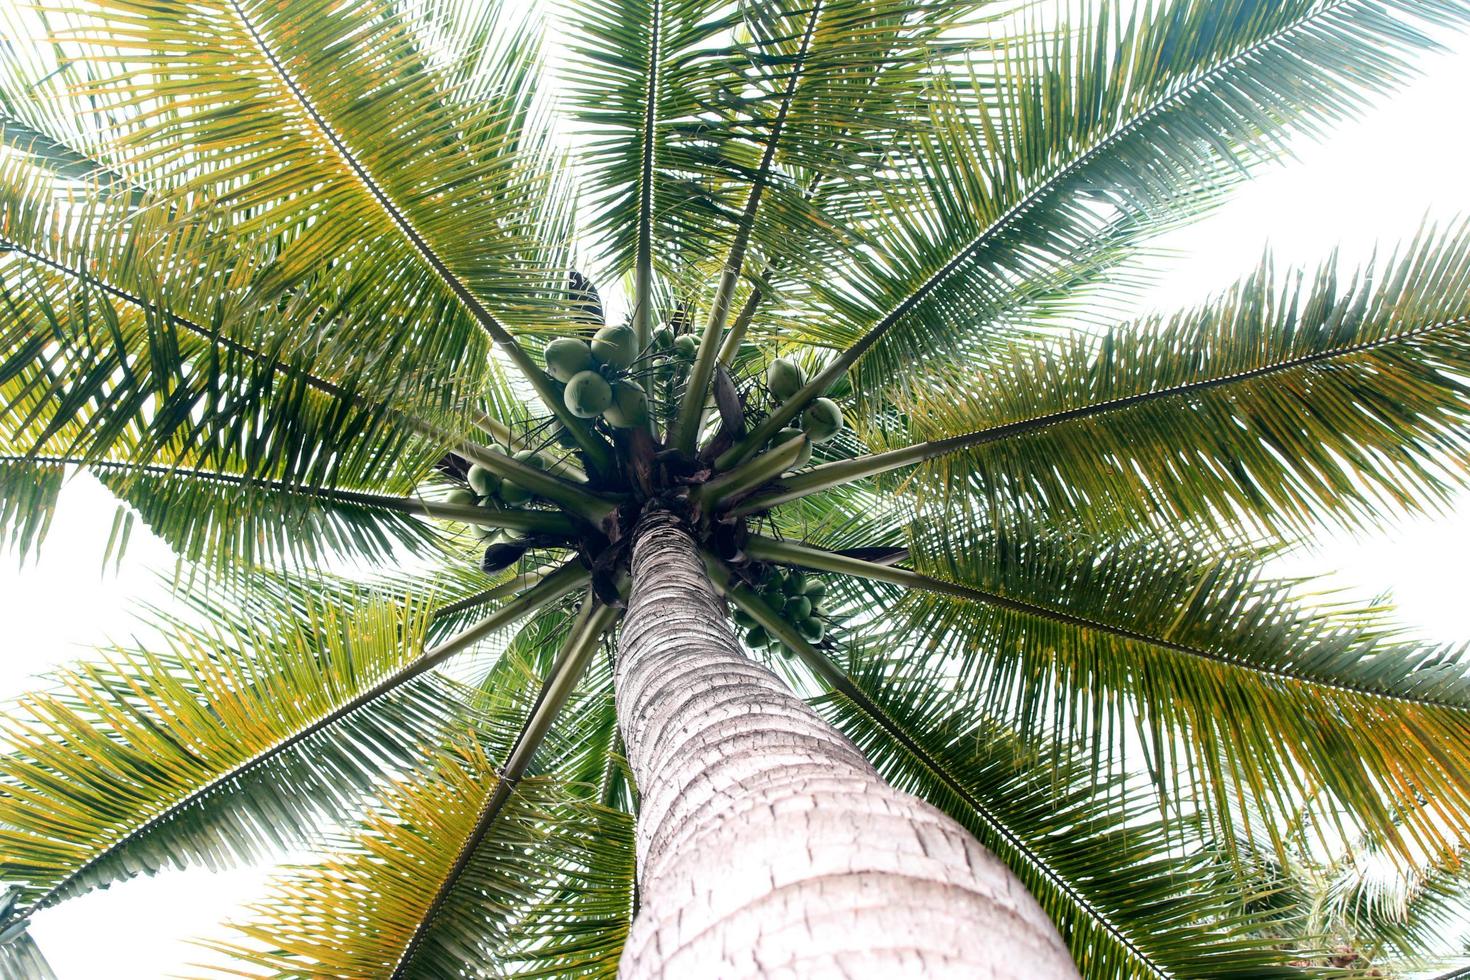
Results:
x,y
514,494
757,637
588,395
663,338
629,408
795,584
615,347
531,458
686,347
784,378
777,601
812,629
567,357
743,618
815,589
459,495
488,535
482,481
822,420
798,609
785,436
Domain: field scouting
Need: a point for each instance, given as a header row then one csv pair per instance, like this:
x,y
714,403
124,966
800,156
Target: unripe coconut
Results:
x,y
629,408
784,378
531,458
794,585
487,535
482,481
785,436
743,618
461,496
567,357
686,347
514,494
822,420
777,602
798,609
615,347
663,338
757,637
588,395
812,629
815,589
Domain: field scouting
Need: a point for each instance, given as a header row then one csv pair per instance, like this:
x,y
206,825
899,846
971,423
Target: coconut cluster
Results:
x,y
794,596
595,376
485,489
822,419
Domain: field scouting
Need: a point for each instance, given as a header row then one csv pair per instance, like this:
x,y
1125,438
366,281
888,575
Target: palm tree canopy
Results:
x,y
308,285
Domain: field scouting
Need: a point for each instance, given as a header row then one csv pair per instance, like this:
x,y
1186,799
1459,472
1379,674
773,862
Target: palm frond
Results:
x,y
210,747
1239,693
505,844
1289,400
352,914
1134,122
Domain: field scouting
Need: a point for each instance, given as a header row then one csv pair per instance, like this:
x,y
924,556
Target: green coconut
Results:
x,y
514,494
743,618
663,338
785,436
686,347
811,628
777,601
756,637
567,357
629,408
798,608
488,535
822,420
784,378
795,584
615,347
588,395
531,458
482,481
459,495
815,589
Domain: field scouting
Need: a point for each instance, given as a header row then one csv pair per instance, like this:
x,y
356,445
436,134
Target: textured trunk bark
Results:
x,y
767,845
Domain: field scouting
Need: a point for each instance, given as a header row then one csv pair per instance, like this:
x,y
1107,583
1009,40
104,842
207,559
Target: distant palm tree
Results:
x,y
310,284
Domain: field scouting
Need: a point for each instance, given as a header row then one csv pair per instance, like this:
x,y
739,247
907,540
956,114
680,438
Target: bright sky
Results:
x,y
1370,184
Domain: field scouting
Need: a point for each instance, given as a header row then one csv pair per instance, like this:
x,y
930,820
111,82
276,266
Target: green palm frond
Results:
x,y
209,747
496,850
1048,146
352,914
1289,400
1236,691
219,518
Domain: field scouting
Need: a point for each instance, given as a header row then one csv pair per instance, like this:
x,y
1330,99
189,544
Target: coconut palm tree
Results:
x,y
846,595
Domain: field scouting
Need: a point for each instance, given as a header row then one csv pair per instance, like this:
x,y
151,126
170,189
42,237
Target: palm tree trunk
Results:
x,y
767,845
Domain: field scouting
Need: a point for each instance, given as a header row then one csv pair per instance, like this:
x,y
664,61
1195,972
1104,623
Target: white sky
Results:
x,y
1372,183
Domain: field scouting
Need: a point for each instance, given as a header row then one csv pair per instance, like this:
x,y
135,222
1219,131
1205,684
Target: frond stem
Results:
x,y
593,622
828,475
691,410
807,556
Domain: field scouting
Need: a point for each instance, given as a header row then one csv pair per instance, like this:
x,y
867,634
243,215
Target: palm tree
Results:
x,y
311,286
